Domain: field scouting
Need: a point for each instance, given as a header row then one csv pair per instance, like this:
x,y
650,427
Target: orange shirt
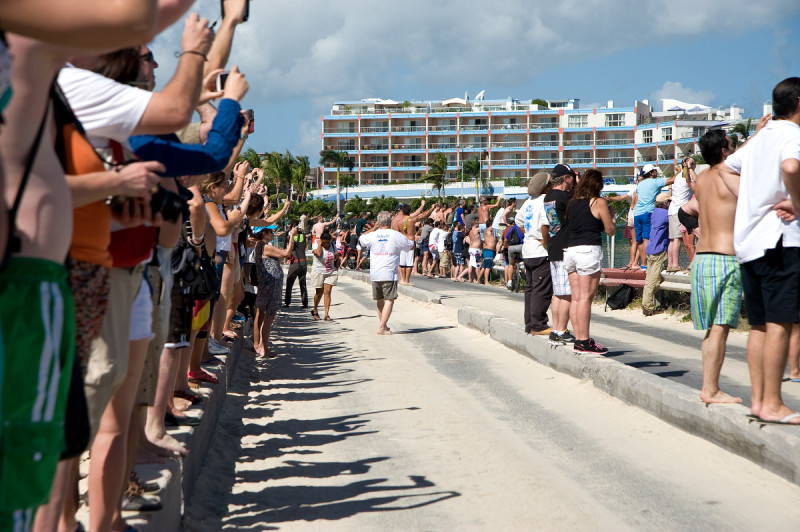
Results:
x,y
91,233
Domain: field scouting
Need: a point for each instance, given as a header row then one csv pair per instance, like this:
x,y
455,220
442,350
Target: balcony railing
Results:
x,y
577,142
474,127
544,125
409,129
615,160
509,162
374,164
340,131
371,147
516,144
500,127
408,146
544,143
444,146
582,160
374,129
613,142
443,128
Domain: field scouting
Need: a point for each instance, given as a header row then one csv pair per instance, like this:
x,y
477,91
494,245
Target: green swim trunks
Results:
x,y
38,331
716,290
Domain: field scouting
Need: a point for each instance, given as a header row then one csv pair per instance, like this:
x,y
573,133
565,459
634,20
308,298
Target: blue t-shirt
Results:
x,y
460,215
648,189
659,230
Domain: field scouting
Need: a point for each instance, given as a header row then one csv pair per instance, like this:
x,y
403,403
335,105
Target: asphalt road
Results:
x,y
439,428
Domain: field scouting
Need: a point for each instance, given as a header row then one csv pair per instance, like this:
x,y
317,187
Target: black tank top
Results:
x,y
585,229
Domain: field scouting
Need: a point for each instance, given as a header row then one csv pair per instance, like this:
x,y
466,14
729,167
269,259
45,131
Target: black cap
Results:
x,y
562,169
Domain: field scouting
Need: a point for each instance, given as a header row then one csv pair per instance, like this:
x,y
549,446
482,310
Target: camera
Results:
x,y
171,205
222,78
251,118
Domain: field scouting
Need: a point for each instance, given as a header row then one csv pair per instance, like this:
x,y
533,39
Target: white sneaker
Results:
x,y
215,348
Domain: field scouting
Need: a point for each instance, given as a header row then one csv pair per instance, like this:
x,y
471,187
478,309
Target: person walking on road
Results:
x,y
324,273
297,271
532,220
385,245
588,216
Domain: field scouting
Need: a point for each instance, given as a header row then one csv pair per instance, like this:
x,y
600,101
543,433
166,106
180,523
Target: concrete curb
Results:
x,y
408,291
774,448
177,476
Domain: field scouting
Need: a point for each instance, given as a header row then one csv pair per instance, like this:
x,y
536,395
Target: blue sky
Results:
x,y
301,55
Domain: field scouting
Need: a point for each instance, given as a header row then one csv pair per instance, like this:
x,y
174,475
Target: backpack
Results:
x,y
193,271
514,238
621,297
448,241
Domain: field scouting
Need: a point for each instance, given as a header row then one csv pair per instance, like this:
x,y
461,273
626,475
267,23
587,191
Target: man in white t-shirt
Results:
x,y
766,238
532,220
385,245
682,190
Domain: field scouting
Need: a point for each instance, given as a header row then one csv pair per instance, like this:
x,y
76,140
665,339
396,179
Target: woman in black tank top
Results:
x,y
588,216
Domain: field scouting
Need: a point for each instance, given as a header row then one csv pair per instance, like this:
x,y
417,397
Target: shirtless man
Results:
x,y
483,213
473,240
319,227
489,251
403,222
716,275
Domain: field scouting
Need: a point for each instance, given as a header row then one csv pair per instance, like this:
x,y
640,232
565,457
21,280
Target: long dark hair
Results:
x,y
590,185
122,65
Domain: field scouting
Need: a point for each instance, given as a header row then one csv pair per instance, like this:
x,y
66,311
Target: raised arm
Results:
x,y
221,49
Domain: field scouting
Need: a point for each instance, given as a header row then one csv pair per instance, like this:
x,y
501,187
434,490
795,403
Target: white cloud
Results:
x,y
676,91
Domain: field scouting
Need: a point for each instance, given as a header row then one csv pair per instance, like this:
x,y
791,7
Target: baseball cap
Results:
x,y
400,206
562,169
648,168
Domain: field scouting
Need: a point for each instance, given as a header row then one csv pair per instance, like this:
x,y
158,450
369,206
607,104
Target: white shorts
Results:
x,y
142,314
475,257
434,253
318,280
407,258
560,279
586,260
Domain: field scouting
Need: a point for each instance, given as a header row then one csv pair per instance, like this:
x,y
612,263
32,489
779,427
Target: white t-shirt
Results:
x,y
326,263
385,246
757,227
681,194
223,242
440,244
106,109
532,217
498,218
433,238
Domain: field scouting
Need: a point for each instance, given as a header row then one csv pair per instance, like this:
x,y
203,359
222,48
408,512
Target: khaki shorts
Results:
x,y
384,290
319,279
674,227
108,359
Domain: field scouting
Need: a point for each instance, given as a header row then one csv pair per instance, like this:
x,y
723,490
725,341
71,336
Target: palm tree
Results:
x,y
278,168
472,170
252,157
437,172
300,170
742,129
347,181
338,159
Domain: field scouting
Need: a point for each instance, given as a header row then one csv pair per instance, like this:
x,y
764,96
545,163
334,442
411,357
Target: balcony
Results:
x,y
408,146
374,130
544,144
482,127
510,144
443,146
409,129
509,162
615,160
509,127
375,164
374,147
581,161
573,142
339,131
449,128
613,142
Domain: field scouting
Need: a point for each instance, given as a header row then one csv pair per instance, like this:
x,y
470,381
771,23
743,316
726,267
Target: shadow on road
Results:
x,y
242,488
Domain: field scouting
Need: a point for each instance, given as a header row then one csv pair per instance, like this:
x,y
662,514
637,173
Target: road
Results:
x,y
440,428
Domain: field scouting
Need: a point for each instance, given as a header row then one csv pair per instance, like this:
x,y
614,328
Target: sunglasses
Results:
x,y
148,57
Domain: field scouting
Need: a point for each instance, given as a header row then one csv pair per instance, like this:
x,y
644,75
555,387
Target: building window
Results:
x,y
578,121
666,133
647,136
380,179
615,119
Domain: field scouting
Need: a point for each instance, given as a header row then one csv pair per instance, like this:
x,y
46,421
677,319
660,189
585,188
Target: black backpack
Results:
x,y
514,237
621,297
448,241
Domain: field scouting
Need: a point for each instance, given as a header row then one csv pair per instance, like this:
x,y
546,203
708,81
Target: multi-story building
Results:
x,y
391,142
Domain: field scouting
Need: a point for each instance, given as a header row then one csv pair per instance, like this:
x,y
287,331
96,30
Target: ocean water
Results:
x,y
622,250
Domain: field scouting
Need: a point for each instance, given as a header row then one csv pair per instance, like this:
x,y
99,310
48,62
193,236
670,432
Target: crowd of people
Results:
x,y
131,236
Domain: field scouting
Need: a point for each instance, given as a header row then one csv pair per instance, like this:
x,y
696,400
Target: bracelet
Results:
x,y
195,52
243,137
200,243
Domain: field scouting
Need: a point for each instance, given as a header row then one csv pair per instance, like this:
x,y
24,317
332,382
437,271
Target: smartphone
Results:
x,y
251,117
222,78
246,9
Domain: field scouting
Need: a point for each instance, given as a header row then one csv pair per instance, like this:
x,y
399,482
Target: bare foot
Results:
x,y
181,404
719,397
384,331
170,444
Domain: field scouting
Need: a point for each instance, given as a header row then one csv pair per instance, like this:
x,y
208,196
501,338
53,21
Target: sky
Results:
x,y
300,56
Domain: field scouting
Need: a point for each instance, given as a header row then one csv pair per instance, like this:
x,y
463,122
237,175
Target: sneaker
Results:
x,y
556,339
238,317
588,347
508,285
215,348
568,337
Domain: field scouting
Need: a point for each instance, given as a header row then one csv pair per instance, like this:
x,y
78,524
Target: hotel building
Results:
x,y
390,142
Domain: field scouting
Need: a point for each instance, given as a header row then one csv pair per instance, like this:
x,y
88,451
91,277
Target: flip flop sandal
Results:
x,y
192,398
230,336
202,376
328,318
315,315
